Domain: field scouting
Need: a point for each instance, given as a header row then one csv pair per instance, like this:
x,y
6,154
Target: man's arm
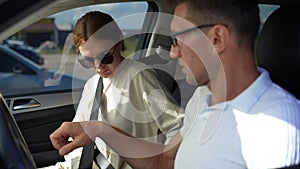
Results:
x,y
164,160
137,153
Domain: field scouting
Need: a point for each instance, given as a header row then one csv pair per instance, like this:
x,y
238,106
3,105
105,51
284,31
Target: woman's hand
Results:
x,y
82,133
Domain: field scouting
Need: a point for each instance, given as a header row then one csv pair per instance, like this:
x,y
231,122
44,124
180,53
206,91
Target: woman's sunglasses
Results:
x,y
89,62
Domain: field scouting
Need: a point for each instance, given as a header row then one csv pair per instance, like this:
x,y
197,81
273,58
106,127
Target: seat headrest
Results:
x,y
279,47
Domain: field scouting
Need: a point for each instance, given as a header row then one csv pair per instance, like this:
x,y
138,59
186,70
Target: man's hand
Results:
x,y
78,131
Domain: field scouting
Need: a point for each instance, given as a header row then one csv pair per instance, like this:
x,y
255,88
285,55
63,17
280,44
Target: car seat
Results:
x,y
279,47
166,69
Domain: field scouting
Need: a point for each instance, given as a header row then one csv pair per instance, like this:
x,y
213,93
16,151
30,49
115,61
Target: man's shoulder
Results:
x,y
271,92
276,93
278,100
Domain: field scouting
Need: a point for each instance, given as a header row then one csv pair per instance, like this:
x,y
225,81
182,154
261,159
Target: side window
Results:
x,y
51,40
128,15
12,65
9,63
265,11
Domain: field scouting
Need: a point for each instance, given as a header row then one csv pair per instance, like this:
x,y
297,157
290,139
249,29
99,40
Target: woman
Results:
x,y
132,99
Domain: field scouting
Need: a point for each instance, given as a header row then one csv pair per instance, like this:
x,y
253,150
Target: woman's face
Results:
x,y
98,47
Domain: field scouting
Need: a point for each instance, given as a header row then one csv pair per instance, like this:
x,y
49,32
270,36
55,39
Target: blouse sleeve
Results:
x,y
148,93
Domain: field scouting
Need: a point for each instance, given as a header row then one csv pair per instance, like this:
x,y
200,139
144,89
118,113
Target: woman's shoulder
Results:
x,y
91,82
130,66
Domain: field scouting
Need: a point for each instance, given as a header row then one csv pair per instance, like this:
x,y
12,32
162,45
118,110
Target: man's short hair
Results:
x,y
241,16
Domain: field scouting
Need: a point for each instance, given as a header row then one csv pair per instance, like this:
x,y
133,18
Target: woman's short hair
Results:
x,y
99,25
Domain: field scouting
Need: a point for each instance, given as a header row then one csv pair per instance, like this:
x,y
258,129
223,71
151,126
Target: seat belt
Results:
x,y
90,151
101,161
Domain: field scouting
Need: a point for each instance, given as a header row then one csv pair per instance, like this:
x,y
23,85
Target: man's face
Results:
x,y
187,49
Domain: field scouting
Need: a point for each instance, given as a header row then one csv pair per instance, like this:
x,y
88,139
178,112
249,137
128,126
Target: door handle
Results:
x,y
28,103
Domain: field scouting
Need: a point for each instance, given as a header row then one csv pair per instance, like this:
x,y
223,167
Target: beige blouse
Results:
x,y
134,101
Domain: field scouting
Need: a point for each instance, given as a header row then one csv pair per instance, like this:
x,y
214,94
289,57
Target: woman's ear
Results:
x,y
219,35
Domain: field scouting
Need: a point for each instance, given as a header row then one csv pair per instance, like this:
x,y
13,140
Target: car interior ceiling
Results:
x,y
278,2
12,13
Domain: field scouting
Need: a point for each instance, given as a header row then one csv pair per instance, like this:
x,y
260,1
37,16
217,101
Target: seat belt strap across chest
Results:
x,y
90,151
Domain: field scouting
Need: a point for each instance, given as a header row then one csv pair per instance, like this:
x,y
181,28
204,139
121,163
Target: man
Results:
x,y
246,122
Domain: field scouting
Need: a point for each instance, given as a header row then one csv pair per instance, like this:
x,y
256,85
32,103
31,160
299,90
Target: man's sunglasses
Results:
x,y
174,34
89,62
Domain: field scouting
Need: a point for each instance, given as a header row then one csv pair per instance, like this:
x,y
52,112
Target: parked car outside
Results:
x,y
27,51
19,74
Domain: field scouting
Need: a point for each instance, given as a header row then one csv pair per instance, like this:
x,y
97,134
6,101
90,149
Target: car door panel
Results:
x,y
37,123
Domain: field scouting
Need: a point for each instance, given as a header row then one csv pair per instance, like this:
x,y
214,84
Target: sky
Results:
x,y
123,13
119,11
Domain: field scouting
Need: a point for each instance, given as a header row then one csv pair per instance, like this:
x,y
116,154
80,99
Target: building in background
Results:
x,y
39,32
44,34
